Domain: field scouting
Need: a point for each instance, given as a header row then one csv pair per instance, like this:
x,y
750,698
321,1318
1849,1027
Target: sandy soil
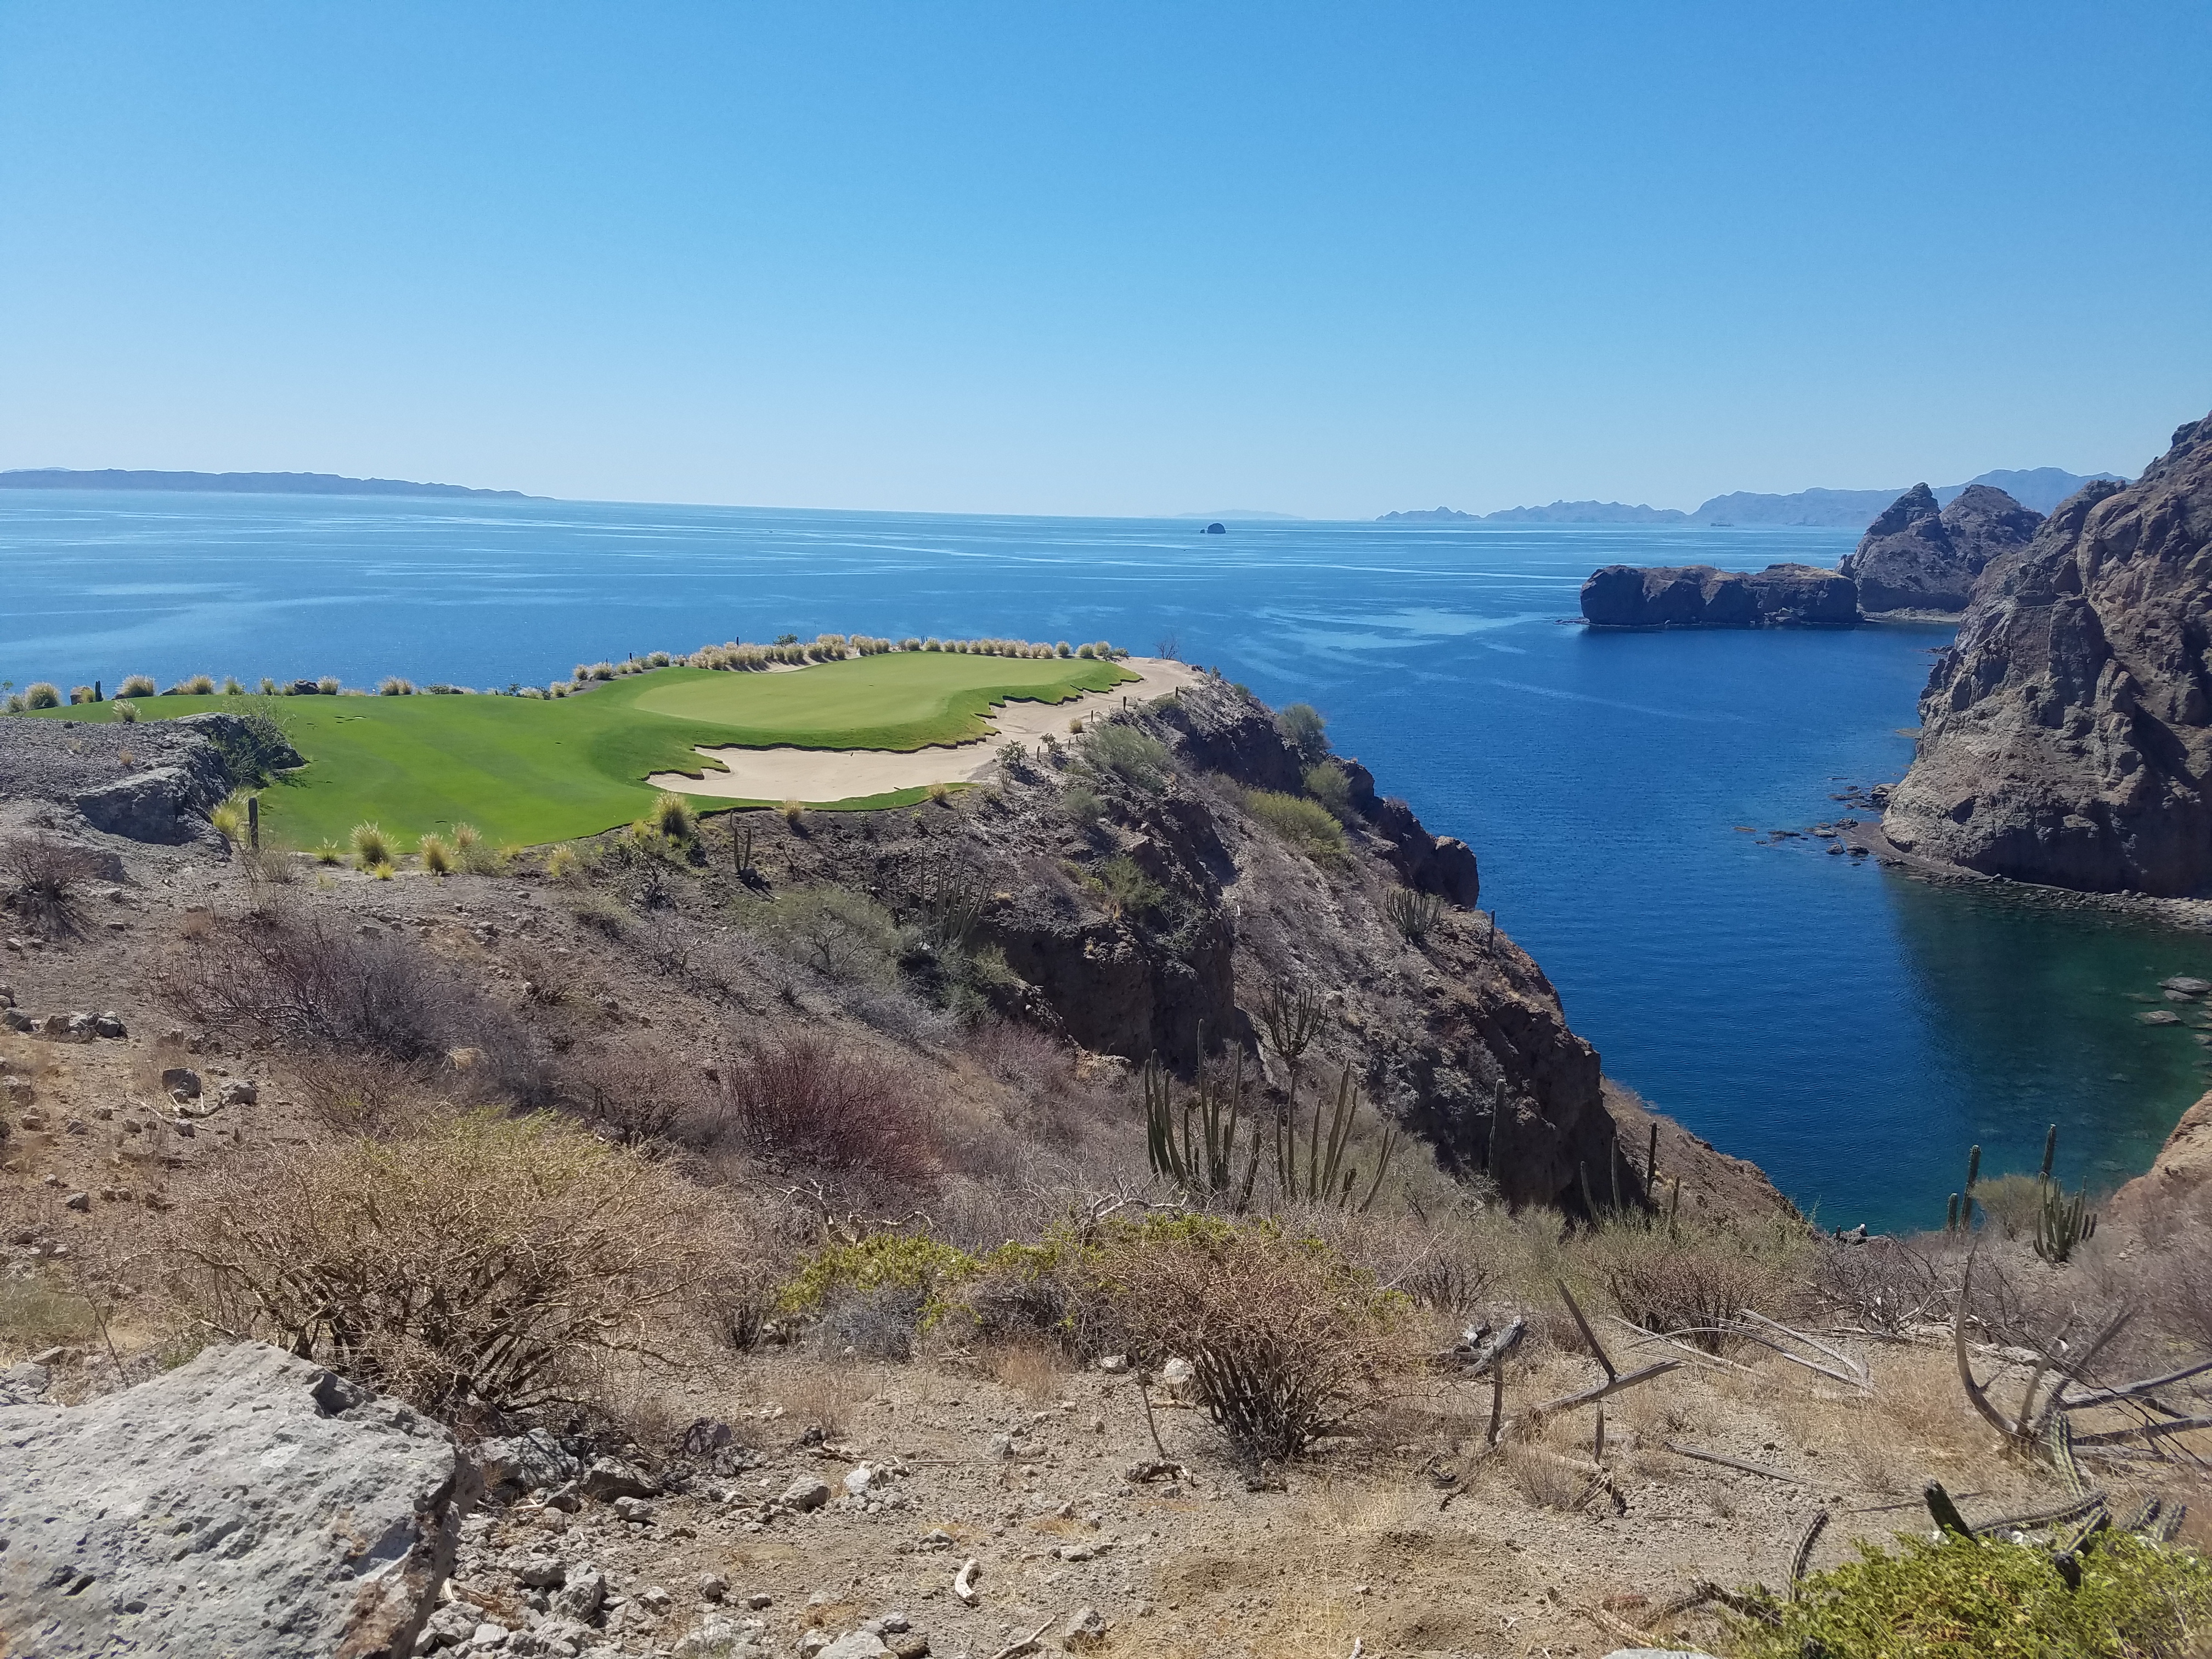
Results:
x,y
831,774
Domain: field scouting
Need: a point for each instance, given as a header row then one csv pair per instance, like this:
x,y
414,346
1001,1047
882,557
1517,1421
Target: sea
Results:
x,y
1851,1029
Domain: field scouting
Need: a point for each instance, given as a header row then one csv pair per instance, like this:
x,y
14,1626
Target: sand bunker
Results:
x,y
831,774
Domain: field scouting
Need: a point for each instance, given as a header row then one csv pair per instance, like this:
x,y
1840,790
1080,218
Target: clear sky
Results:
x,y
1084,259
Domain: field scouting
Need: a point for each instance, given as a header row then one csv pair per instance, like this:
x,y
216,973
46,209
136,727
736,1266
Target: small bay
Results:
x,y
1850,1029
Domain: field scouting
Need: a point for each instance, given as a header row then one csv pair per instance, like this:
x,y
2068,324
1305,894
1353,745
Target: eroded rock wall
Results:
x,y
1703,596
2067,733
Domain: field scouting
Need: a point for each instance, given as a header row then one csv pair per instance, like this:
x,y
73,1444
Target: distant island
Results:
x,y
238,483
2041,489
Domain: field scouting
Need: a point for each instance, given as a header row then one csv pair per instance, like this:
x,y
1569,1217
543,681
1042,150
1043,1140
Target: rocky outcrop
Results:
x,y
155,781
1920,557
1700,596
2182,1177
1435,1031
2067,733
246,1503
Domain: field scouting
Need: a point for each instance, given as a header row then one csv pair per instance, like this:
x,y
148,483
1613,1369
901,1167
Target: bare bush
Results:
x,y
307,979
38,881
481,1261
804,1101
635,1094
843,936
1287,1338
1693,1283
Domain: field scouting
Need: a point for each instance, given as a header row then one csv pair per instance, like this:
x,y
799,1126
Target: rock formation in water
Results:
x,y
2067,735
1918,556
1700,596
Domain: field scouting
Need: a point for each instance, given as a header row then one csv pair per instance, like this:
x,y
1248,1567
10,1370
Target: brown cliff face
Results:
x,y
2067,733
1917,556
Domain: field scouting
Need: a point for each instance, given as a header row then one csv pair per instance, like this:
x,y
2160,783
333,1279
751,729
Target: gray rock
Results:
x,y
583,1595
523,1462
805,1493
1083,1631
2159,1016
2187,986
110,1025
239,1092
544,1572
610,1478
246,1503
22,1385
180,1082
715,1638
859,1644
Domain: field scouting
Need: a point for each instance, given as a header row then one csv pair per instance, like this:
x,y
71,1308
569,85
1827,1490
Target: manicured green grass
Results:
x,y
529,771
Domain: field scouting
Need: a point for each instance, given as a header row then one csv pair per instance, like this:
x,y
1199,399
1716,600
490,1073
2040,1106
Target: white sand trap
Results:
x,y
815,775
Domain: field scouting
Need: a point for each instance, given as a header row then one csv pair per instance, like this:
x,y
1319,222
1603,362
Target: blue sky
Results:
x,y
1056,258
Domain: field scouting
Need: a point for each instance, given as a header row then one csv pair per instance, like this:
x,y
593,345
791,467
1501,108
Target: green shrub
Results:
x,y
328,686
199,685
1082,806
125,713
42,694
1138,759
842,935
81,694
268,687
1305,824
330,853
1995,1601
371,846
562,865
393,686
1326,782
1126,889
904,1262
231,688
436,857
136,685
230,819
1305,730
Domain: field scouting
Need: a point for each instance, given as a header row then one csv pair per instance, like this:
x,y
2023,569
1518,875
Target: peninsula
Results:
x,y
238,483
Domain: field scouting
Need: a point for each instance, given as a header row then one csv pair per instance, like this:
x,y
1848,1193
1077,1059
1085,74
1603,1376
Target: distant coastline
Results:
x,y
238,483
2040,488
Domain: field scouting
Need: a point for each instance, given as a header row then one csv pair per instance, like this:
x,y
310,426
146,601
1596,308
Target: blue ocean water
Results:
x,y
1850,1030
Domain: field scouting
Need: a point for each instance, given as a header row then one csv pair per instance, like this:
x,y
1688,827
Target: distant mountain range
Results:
x,y
237,483
2041,487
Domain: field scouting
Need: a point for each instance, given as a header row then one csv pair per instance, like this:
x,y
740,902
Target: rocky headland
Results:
x,y
1702,596
2067,733
1919,557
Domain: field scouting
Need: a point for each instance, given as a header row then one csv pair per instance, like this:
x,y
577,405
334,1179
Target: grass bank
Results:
x,y
529,770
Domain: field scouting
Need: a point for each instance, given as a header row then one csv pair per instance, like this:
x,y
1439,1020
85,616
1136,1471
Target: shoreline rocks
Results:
x,y
1703,596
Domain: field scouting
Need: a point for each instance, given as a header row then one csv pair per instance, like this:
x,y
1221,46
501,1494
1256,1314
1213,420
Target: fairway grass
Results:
x,y
526,770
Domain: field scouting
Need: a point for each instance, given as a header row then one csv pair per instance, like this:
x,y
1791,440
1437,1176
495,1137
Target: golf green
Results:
x,y
528,771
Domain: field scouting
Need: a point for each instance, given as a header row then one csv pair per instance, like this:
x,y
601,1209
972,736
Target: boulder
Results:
x,y
1917,556
180,1082
2066,734
246,1502
1702,596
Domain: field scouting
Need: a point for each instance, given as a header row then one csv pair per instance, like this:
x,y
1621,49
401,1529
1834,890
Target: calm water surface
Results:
x,y
1850,1030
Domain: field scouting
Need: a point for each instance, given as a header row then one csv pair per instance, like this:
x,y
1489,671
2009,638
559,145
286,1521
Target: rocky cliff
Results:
x,y
1435,1028
1700,596
2067,733
1918,556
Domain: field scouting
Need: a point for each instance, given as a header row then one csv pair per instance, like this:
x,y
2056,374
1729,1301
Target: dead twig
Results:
x,y
1024,1644
1725,1462
1803,1557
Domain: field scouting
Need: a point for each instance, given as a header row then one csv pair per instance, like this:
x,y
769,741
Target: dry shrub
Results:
x,y
357,1094
1034,1061
308,980
1288,1339
38,880
1032,1370
806,1101
1543,1478
633,1094
1693,1283
477,1262
826,1396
